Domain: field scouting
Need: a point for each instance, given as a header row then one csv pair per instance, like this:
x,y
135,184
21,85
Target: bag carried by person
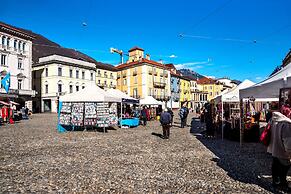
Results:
x,y
266,135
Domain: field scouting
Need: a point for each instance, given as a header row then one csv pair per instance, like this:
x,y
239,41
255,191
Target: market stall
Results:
x,y
229,108
153,104
130,120
267,91
88,108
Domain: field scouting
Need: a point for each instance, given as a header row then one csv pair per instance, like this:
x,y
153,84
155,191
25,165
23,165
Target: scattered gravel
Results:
x,y
34,157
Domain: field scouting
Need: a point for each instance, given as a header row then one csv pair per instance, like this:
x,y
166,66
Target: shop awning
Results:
x,y
4,103
14,103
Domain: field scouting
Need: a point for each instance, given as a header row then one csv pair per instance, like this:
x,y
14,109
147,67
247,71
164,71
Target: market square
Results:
x,y
145,96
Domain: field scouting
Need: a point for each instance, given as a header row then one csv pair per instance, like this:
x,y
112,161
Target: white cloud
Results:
x,y
259,78
173,56
194,65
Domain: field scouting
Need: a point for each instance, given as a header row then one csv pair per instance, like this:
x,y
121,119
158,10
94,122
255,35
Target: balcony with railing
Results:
x,y
161,97
159,84
136,96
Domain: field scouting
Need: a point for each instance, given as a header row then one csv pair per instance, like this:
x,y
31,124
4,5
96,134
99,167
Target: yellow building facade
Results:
x,y
185,95
141,77
106,77
210,86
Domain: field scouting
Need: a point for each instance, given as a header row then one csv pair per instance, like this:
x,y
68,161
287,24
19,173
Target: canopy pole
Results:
x,y
222,127
121,114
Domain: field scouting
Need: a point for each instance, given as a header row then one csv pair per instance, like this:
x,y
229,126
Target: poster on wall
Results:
x,y
90,114
65,115
77,114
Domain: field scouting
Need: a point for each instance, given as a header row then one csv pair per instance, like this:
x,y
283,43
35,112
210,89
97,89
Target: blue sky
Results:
x,y
218,35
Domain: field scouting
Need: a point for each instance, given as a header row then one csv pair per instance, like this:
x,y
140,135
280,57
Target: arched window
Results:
x,y
60,86
71,87
46,87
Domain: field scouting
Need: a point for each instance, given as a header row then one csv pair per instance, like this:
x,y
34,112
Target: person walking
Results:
x,y
165,121
172,115
182,115
144,116
280,148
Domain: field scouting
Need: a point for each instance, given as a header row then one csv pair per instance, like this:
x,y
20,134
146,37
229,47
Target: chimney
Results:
x,y
148,57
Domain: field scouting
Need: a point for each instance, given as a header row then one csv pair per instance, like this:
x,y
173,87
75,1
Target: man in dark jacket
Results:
x,y
144,116
165,120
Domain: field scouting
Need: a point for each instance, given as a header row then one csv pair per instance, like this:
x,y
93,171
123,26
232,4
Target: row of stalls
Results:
x,y
241,113
93,107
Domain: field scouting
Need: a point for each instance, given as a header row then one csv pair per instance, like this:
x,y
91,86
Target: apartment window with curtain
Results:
x,y
71,89
77,88
83,74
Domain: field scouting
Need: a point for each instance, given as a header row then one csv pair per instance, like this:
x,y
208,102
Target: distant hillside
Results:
x,y
193,74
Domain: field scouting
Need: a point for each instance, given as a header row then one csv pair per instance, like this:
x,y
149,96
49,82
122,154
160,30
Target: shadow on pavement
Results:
x,y
248,164
158,135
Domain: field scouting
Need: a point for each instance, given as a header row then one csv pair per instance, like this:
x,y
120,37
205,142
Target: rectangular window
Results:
x,y
105,74
77,74
19,63
83,74
111,75
46,88
3,40
23,46
105,83
59,88
46,72
59,71
124,82
91,76
71,89
15,45
3,60
77,88
99,81
71,73
8,43
19,84
19,45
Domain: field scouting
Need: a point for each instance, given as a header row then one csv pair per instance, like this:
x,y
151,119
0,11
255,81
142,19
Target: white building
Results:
x,y
16,59
57,75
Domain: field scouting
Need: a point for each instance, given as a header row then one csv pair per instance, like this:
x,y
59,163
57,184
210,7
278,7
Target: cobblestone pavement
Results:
x,y
35,158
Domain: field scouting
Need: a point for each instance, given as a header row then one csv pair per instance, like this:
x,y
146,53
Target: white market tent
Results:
x,y
119,94
149,100
233,94
91,93
268,90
